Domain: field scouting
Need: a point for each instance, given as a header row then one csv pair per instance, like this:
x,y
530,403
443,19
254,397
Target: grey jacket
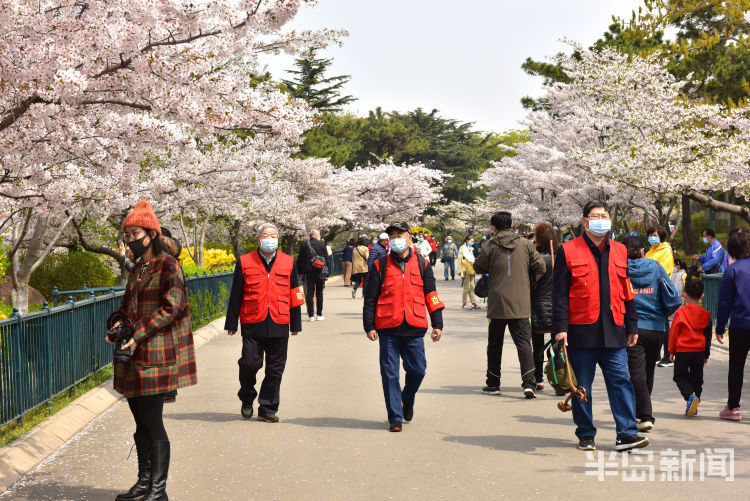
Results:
x,y
511,261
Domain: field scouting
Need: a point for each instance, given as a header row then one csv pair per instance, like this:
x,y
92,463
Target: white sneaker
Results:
x,y
321,317
312,319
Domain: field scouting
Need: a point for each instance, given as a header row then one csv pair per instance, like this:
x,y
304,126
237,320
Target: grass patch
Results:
x,y
35,416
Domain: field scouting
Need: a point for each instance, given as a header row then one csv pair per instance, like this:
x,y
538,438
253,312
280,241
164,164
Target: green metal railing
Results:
x,y
47,352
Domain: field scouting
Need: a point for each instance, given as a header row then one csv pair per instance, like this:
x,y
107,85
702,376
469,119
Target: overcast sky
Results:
x,y
463,58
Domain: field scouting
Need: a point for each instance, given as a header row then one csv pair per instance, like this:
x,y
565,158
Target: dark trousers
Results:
x,y
314,287
147,413
739,343
688,372
520,331
433,258
665,341
642,360
537,344
411,351
253,351
358,279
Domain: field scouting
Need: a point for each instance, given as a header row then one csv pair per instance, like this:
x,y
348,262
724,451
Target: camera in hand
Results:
x,y
120,334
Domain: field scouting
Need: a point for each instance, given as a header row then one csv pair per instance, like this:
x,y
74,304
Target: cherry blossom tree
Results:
x,y
99,98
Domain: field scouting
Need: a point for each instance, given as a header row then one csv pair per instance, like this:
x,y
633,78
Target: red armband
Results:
x,y
433,302
296,298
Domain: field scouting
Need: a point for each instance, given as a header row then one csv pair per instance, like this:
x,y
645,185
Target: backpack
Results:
x,y
383,261
482,287
556,369
317,262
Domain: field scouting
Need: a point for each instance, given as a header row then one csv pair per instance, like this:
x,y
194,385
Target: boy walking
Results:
x,y
690,345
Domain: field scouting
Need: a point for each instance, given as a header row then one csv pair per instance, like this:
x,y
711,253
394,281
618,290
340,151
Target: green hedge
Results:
x,y
70,271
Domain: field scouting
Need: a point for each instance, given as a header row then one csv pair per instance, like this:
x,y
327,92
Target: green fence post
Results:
x,y
72,335
19,386
48,340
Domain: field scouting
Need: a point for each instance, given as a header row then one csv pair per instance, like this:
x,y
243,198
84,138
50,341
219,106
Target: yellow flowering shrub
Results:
x,y
416,229
213,259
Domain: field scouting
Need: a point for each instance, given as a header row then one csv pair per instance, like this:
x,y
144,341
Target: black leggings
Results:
x,y
739,344
147,412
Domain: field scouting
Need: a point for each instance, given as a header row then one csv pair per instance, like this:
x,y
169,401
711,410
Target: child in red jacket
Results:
x,y
690,345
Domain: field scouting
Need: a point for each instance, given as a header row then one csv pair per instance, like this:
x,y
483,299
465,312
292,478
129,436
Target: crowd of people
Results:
x,y
611,304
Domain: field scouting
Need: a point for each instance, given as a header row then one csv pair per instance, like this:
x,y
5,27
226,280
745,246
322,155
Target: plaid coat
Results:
x,y
156,298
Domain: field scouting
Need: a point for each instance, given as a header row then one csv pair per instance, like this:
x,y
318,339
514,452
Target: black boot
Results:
x,y
159,471
142,486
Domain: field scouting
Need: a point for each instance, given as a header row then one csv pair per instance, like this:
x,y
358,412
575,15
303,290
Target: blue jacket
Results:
x,y
714,257
376,252
645,275
734,296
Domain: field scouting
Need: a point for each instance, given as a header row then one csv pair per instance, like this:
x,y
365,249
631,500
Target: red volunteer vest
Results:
x,y
267,292
402,296
583,298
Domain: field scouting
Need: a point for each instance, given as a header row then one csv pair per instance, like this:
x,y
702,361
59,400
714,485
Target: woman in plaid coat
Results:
x,y
163,356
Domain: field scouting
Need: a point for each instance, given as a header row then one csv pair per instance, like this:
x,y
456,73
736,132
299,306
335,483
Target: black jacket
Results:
x,y
372,293
266,328
304,258
603,333
541,298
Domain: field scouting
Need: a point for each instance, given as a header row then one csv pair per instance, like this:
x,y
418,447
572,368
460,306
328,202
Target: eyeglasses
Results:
x,y
134,235
594,217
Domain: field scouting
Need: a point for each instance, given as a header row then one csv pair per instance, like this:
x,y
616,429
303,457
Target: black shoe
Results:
x,y
665,362
408,413
247,411
631,442
587,444
446,279
143,484
491,390
453,278
269,418
528,392
170,397
159,471
395,427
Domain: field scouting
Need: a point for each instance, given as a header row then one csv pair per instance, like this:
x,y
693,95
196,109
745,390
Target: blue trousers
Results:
x,y
411,351
614,365
449,265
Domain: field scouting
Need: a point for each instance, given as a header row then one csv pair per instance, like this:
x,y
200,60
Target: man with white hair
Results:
x,y
267,300
313,259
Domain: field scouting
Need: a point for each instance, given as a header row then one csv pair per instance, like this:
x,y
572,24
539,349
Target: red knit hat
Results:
x,y
143,216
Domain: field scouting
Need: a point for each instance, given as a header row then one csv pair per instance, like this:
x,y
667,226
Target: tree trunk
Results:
x,y
34,252
234,237
19,296
689,245
731,198
288,244
201,243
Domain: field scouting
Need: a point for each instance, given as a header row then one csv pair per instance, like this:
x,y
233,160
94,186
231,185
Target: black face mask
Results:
x,y
137,247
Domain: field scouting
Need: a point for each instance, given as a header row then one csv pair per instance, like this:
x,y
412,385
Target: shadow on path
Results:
x,y
333,422
454,390
513,443
212,417
55,490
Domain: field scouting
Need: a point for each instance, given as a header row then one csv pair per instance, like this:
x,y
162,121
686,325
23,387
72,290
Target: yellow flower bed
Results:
x,y
212,258
416,229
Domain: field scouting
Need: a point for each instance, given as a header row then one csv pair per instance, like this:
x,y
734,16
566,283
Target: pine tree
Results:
x,y
311,84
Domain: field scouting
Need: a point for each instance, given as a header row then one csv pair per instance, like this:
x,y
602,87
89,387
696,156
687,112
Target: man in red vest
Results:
x,y
399,293
593,312
267,298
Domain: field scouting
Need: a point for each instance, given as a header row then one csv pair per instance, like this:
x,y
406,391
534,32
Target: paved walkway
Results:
x,y
332,441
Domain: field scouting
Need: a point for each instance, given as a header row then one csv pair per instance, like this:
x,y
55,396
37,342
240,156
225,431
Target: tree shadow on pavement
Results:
x,y
333,422
512,443
213,417
453,390
563,419
55,490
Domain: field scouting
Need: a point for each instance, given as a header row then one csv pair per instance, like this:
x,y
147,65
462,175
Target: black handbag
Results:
x,y
482,287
